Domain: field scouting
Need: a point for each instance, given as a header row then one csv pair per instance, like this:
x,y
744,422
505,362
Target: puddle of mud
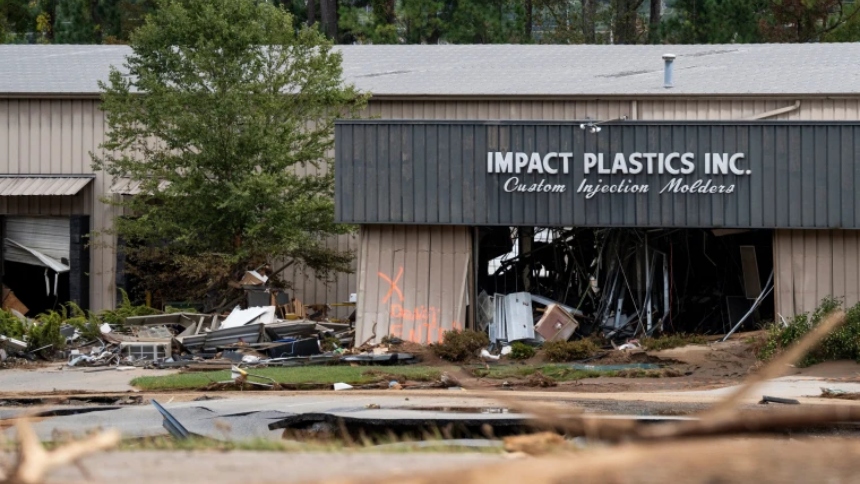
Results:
x,y
96,400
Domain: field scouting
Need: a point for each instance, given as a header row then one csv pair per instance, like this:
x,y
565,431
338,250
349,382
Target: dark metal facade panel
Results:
x,y
792,174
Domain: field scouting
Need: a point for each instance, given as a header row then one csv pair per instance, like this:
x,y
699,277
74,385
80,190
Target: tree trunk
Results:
x,y
385,11
654,21
328,12
312,12
529,11
589,10
97,20
625,21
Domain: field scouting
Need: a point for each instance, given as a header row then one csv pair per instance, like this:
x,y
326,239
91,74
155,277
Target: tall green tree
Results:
x,y
433,21
714,22
490,22
805,20
99,21
225,120
625,27
849,30
17,18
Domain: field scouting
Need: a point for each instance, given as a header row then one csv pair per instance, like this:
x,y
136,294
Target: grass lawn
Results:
x,y
566,373
321,445
556,372
299,375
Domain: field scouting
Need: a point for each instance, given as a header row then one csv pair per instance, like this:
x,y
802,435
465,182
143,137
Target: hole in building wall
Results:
x,y
688,280
30,286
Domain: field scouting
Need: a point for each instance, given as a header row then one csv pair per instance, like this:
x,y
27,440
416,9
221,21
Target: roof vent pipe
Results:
x,y
668,60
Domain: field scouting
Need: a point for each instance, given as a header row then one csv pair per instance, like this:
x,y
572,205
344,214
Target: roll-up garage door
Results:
x,y
39,241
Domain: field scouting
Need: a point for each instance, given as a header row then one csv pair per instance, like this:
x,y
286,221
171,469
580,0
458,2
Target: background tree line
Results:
x,y
475,21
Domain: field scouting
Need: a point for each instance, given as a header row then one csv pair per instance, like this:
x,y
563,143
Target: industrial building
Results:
x,y
476,152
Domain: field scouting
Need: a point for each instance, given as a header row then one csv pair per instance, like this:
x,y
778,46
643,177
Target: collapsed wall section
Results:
x,y
412,282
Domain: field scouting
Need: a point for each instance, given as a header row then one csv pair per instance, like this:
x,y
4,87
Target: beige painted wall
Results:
x,y
55,136
412,282
813,264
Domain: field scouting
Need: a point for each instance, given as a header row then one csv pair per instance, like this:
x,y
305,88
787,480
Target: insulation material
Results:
x,y
412,282
810,265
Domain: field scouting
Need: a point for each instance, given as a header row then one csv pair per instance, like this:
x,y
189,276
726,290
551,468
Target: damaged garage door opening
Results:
x,y
625,283
44,263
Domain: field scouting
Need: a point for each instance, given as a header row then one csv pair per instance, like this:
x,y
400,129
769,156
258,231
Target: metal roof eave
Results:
x,y
510,97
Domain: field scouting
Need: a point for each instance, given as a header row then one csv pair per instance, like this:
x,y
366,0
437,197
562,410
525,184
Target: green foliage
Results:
x,y
46,328
559,351
714,21
238,121
841,344
849,30
11,326
675,340
521,351
554,372
460,345
329,343
46,331
125,310
302,375
431,21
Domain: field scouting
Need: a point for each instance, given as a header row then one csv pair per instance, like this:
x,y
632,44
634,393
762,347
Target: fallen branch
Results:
x,y
33,462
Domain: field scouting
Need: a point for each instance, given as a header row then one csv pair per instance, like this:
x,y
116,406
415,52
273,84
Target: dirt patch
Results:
x,y
622,357
831,369
732,359
828,393
538,379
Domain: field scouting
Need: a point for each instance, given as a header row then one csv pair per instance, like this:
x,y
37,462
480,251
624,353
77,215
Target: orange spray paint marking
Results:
x,y
427,316
392,285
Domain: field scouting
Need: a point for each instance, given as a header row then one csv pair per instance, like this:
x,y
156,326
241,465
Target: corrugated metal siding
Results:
x,y
412,282
724,110
22,186
801,175
56,135
814,264
336,288
80,204
512,110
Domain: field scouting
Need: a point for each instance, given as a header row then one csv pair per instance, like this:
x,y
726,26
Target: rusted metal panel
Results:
x,y
412,282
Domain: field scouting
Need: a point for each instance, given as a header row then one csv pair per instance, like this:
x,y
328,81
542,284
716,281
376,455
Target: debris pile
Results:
x,y
271,330
622,284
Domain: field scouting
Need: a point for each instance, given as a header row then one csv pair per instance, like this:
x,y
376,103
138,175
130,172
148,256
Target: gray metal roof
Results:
x,y
505,70
42,185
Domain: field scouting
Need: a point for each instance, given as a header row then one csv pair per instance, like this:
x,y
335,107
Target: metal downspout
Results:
x,y
775,112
